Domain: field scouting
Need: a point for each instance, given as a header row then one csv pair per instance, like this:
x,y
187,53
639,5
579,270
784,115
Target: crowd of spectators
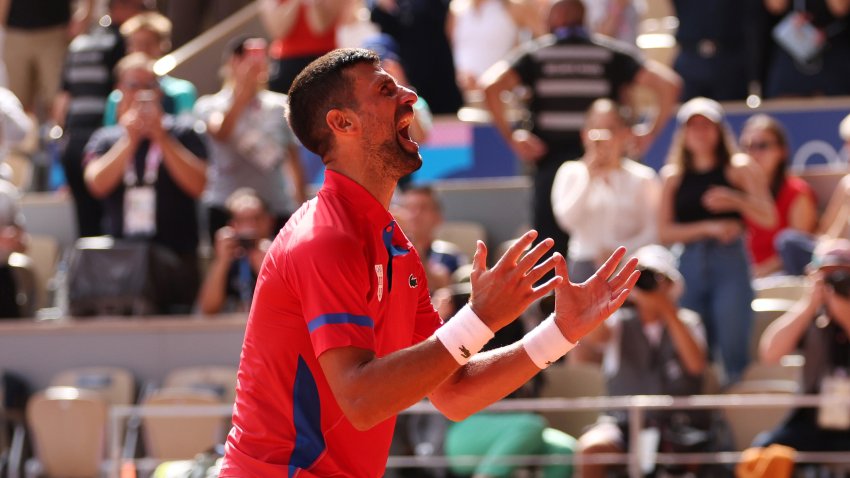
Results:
x,y
141,157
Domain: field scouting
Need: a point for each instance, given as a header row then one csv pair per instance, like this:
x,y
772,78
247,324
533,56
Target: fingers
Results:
x,y
618,300
541,270
479,260
624,275
514,252
534,255
610,265
543,290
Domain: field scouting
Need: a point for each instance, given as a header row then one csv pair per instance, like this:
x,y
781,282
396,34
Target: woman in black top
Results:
x,y
707,191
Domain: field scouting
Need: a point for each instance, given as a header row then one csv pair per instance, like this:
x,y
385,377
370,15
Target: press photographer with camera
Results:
x,y
651,347
818,327
240,247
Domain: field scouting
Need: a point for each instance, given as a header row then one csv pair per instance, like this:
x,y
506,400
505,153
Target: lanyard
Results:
x,y
152,161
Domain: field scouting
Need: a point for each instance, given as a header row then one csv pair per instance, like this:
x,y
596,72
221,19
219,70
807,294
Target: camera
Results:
x,y
247,242
648,280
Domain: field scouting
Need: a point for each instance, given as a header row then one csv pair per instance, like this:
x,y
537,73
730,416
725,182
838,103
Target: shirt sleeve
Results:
x,y
16,123
331,275
650,199
110,114
191,139
184,97
100,142
569,194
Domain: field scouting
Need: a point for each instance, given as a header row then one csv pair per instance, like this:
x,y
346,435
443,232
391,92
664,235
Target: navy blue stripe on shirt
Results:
x,y
342,318
307,415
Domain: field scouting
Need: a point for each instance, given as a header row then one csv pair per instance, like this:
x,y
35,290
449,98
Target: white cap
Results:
x,y
844,128
703,107
660,259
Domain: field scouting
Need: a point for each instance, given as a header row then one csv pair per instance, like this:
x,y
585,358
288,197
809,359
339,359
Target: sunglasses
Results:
x,y
839,282
759,145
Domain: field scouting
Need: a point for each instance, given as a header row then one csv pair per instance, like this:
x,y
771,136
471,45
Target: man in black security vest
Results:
x,y
87,80
566,71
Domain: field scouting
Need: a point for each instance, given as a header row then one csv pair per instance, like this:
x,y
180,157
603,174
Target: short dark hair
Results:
x,y
319,88
426,190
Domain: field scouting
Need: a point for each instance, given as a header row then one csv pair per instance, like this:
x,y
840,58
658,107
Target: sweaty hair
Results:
x,y
319,88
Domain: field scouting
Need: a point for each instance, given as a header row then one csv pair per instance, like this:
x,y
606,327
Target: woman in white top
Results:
x,y
482,32
604,200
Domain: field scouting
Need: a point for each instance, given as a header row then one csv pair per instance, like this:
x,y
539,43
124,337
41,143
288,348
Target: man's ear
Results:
x,y
342,121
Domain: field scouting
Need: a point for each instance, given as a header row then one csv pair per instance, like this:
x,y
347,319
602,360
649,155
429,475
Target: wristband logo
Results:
x,y
464,352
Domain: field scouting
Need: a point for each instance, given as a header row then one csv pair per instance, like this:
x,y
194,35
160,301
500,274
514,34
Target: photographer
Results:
x,y
239,251
818,327
651,347
148,171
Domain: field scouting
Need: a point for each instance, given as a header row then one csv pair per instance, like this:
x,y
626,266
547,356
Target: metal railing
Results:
x,y
636,406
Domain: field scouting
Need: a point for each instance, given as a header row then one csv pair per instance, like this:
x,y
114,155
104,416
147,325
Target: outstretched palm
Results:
x,y
579,308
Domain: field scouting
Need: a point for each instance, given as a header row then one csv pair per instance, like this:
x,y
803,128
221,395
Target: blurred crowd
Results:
x,y
147,162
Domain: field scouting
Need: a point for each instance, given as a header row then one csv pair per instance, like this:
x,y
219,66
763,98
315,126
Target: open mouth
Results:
x,y
403,129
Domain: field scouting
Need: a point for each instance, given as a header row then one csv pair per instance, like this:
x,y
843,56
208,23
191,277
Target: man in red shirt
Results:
x,y
342,335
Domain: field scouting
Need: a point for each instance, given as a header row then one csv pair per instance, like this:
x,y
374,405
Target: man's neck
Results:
x,y
380,188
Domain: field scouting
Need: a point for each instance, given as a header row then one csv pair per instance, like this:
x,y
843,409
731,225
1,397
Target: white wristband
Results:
x,y
464,335
545,343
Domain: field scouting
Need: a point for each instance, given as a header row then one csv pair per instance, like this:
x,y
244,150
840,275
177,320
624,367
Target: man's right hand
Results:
x,y
501,294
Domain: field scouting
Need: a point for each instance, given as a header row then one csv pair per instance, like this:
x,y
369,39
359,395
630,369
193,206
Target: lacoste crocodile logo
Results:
x,y
464,352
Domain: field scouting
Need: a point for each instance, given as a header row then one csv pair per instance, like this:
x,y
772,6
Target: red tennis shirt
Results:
x,y
340,274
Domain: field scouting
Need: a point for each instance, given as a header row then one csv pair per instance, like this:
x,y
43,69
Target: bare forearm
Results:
x,y
497,79
690,352
211,295
673,232
189,172
278,18
222,129
322,14
666,85
782,336
487,378
759,210
379,388
105,173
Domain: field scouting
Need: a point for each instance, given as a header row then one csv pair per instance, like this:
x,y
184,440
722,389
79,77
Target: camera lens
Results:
x,y
648,279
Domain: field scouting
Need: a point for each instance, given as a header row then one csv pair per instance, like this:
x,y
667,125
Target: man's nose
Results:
x,y
407,96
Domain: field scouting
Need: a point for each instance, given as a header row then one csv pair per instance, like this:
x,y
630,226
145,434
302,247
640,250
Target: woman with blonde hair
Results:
x,y
708,191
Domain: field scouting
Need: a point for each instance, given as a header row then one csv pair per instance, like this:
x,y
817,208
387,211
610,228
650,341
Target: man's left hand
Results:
x,y
579,308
